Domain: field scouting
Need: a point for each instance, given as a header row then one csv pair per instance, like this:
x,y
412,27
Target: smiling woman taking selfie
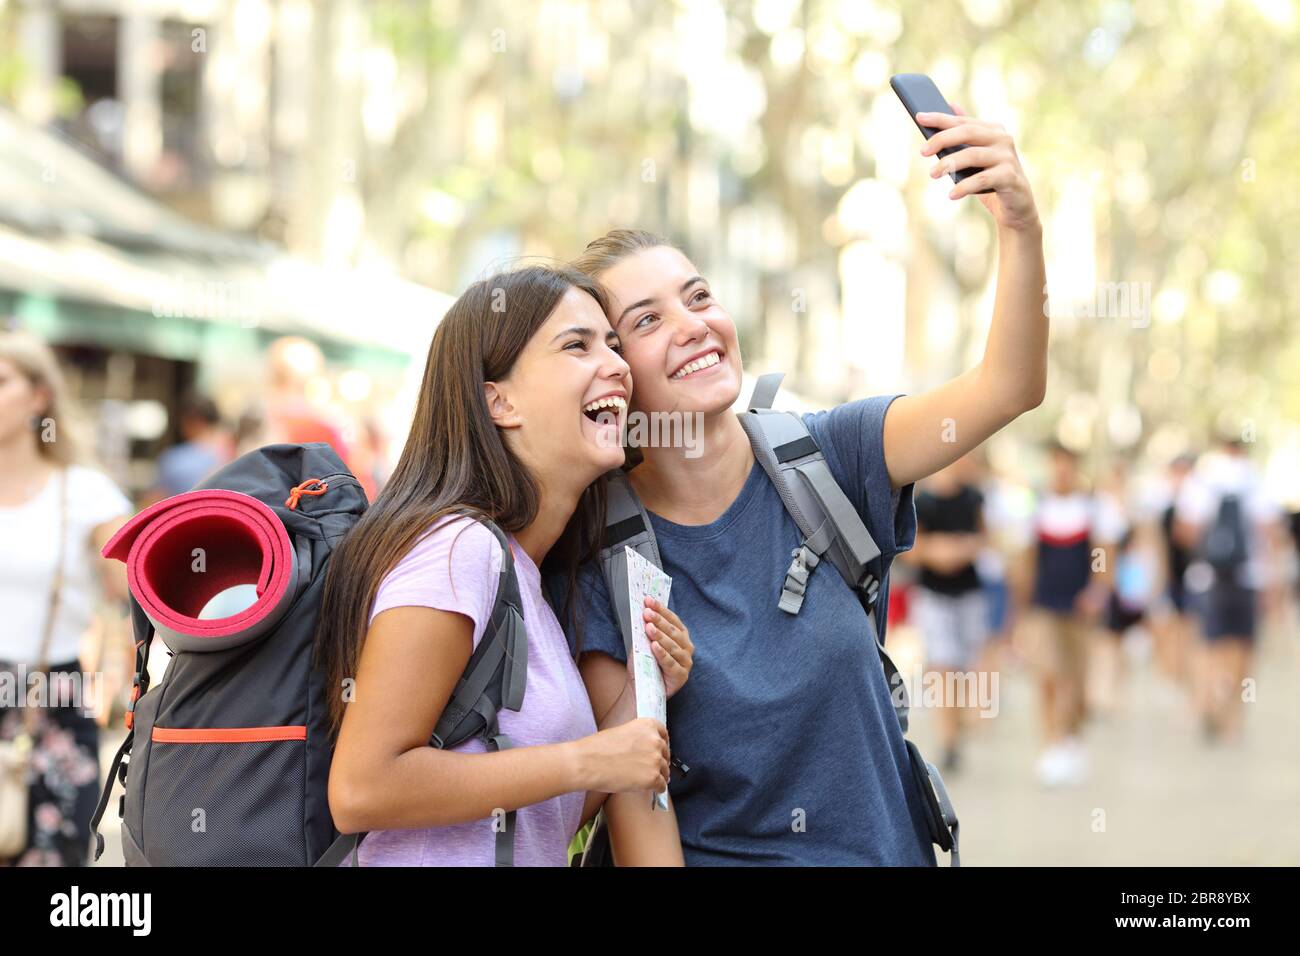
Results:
x,y
504,430
795,753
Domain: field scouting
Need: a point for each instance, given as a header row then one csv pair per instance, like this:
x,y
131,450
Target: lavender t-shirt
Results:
x,y
455,568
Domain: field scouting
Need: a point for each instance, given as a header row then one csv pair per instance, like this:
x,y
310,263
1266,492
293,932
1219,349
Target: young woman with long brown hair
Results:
x,y
504,427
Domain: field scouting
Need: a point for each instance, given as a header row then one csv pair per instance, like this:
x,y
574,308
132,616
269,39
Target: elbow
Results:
x,y
1034,396
1026,398
349,804
1013,393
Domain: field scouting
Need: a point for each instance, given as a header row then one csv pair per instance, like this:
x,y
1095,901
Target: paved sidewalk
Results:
x,y
1163,796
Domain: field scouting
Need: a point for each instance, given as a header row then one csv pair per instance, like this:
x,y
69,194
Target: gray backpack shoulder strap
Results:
x,y
626,526
830,525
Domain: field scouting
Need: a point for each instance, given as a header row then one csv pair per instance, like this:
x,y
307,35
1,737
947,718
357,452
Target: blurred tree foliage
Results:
x,y
1181,116
737,128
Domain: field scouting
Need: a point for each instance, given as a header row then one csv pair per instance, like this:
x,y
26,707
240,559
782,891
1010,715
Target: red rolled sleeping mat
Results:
x,y
212,569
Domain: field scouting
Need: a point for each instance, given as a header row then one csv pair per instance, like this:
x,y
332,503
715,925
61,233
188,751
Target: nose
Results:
x,y
688,327
614,367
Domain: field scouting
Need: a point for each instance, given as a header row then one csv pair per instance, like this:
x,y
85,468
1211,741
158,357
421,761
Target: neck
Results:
x,y
557,502
698,489
23,461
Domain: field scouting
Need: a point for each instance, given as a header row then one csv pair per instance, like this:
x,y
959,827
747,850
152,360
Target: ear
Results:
x,y
500,407
44,398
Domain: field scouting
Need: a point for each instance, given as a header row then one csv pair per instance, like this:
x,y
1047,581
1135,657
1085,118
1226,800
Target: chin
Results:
x,y
602,446
718,397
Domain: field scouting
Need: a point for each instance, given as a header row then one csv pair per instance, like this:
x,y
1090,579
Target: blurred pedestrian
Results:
x,y
56,512
1128,597
1070,586
290,413
203,448
951,609
1232,523
1173,624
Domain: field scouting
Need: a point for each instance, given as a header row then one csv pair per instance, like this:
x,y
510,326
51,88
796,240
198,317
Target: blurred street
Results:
x,y
1168,798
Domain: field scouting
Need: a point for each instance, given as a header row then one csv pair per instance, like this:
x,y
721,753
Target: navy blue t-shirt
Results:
x,y
786,724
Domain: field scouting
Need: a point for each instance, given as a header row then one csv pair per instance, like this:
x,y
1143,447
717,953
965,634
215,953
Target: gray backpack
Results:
x,y
832,530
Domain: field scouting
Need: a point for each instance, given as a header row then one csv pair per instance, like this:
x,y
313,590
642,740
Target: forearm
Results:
x,y
925,433
641,835
624,709
1013,373
427,787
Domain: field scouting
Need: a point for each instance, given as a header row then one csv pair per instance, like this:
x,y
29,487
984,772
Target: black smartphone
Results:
x,y
920,95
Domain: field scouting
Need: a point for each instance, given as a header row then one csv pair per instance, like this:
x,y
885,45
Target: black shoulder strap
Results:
x,y
626,526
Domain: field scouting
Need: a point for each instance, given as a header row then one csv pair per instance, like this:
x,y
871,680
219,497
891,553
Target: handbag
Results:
x,y
16,754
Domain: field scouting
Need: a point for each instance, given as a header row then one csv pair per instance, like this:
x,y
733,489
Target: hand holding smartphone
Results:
x,y
920,95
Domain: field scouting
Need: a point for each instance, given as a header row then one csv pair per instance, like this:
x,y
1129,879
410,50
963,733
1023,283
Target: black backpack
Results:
x,y
1224,546
227,759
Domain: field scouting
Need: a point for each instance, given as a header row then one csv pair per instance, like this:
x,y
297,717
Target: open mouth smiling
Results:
x,y
697,364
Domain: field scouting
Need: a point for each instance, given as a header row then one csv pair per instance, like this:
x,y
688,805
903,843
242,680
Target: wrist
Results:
x,y
1030,229
576,765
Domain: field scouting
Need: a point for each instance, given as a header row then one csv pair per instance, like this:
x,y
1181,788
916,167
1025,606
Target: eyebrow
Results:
x,y
636,305
586,333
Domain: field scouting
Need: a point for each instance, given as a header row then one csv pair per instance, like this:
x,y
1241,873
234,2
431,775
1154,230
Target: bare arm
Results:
x,y
639,835
926,432
385,775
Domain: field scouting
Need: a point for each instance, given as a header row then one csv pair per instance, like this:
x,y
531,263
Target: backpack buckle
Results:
x,y
796,578
871,588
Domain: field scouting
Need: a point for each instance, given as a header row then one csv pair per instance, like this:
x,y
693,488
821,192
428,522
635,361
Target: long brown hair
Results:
x,y
455,459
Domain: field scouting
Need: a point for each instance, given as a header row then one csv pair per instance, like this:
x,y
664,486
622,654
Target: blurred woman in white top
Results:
x,y
48,492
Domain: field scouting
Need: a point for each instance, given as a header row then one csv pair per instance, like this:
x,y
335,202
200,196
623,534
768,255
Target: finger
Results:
x,y
985,179
981,157
661,623
674,633
670,665
670,615
667,621
676,630
657,638
677,653
938,120
967,134
972,119
669,643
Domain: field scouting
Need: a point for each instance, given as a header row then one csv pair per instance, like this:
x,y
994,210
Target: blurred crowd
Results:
x,y
1189,564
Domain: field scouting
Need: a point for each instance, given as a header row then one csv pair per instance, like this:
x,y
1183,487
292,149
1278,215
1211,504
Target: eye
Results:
x,y
578,342
700,296
640,321
616,347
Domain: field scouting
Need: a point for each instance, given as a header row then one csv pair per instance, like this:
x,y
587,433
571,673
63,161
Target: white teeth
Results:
x,y
611,402
705,362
